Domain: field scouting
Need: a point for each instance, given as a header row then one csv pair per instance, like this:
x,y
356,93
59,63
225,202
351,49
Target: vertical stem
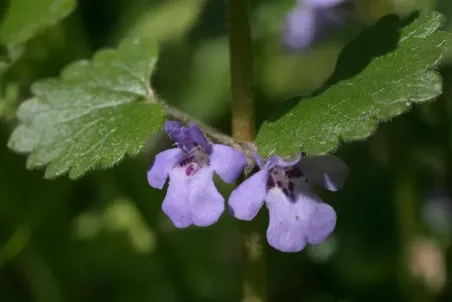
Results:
x,y
241,69
254,278
406,198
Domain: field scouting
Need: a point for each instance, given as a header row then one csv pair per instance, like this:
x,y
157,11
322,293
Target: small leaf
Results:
x,y
24,18
94,114
378,76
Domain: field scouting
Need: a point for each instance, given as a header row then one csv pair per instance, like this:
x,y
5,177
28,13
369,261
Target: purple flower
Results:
x,y
311,20
297,215
192,197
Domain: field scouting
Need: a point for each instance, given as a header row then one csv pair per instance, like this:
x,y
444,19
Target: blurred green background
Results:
x,y
104,237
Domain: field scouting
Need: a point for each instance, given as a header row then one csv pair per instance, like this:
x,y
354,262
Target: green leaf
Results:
x,y
378,76
94,114
23,18
170,19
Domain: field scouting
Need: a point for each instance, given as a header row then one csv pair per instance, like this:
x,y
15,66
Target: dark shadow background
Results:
x,y
104,237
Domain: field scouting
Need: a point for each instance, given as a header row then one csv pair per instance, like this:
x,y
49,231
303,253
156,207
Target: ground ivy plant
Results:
x,y
105,108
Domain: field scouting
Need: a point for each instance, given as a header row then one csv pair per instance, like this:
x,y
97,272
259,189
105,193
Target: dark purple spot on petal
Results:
x,y
187,160
190,170
271,183
294,173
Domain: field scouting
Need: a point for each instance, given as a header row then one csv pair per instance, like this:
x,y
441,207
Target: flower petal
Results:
x,y
247,199
322,3
294,224
322,221
259,161
288,226
186,137
206,202
312,20
300,28
176,132
285,164
227,162
266,164
328,171
176,205
195,135
172,126
163,163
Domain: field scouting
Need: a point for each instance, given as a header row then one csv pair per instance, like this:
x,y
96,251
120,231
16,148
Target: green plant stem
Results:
x,y
406,197
243,131
241,71
253,263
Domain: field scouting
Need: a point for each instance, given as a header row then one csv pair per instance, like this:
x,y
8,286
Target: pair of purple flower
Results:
x,y
311,20
297,215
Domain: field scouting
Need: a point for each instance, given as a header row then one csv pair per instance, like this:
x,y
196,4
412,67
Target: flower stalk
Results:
x,y
241,69
243,131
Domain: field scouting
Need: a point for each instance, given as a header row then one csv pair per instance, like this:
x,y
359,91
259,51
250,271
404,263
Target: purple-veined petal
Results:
x,y
163,163
322,3
247,199
294,224
328,171
206,202
176,205
227,162
300,28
